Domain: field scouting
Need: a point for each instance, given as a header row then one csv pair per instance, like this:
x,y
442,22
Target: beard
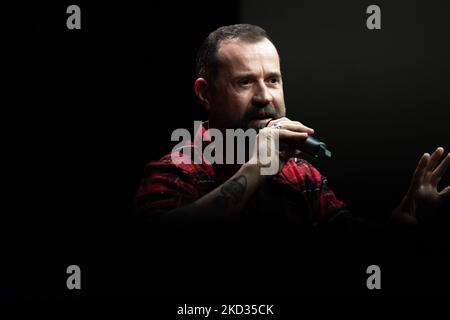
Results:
x,y
259,112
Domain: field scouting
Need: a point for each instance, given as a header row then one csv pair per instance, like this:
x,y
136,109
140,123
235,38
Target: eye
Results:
x,y
274,80
245,82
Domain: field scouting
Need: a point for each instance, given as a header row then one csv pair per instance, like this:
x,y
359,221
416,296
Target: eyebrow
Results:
x,y
252,75
274,74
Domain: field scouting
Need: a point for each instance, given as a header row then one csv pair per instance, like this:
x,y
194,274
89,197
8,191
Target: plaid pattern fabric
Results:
x,y
298,193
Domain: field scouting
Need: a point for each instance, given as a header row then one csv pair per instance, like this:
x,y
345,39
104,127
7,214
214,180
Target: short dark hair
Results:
x,y
207,63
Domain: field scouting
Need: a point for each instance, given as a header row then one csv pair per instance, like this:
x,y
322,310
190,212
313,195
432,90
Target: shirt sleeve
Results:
x,y
164,187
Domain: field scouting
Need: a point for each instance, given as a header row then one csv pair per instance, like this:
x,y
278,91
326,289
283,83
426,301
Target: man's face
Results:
x,y
248,90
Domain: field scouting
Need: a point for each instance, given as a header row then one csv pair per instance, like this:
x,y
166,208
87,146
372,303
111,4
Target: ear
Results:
x,y
202,91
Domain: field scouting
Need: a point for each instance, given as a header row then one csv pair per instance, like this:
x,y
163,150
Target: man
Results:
x,y
240,85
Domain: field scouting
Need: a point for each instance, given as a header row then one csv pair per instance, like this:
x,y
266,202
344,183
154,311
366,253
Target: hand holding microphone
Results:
x,y
310,145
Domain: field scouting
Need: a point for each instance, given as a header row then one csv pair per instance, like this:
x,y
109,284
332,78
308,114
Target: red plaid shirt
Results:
x,y
299,193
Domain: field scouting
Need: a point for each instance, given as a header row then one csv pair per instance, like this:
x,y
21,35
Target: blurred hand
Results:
x,y
423,201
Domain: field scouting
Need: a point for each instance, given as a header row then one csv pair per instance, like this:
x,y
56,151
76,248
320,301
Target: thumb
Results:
x,y
445,194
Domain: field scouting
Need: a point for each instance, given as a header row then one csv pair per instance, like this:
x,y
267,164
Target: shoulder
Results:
x,y
177,163
168,182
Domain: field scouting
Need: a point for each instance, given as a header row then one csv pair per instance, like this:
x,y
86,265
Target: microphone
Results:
x,y
312,146
315,148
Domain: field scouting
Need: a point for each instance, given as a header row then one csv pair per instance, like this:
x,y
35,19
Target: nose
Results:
x,y
262,95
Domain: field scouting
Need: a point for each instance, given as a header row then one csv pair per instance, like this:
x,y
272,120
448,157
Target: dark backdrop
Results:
x,y
378,98
85,110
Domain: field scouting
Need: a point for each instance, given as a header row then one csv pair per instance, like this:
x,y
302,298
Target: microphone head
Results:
x,y
322,152
316,148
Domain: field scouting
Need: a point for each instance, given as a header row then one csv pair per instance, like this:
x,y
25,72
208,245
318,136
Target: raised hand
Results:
x,y
424,201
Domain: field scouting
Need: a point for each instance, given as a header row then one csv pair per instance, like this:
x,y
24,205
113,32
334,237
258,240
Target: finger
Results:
x,y
275,121
286,120
291,135
434,159
292,125
419,173
445,194
440,170
296,126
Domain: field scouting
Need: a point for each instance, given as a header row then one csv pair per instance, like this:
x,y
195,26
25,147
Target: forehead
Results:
x,y
240,56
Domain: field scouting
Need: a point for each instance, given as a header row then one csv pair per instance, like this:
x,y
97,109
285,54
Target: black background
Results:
x,y
84,110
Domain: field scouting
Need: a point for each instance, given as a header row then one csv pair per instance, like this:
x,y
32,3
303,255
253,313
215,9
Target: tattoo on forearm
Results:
x,y
231,193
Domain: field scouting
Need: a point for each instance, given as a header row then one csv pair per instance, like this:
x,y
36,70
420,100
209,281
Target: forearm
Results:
x,y
223,203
